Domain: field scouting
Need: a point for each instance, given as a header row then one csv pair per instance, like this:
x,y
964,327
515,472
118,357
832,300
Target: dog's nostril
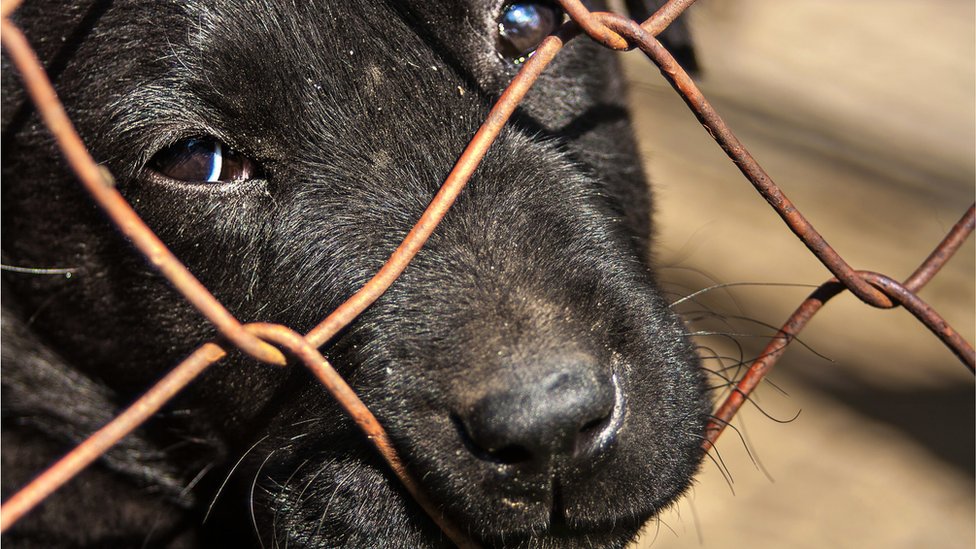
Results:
x,y
566,416
590,434
595,425
507,455
510,455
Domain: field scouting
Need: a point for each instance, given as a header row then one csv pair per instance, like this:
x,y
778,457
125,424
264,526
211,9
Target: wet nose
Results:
x,y
566,416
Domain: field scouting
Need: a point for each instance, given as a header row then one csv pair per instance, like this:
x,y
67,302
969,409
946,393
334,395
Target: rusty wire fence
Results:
x,y
269,343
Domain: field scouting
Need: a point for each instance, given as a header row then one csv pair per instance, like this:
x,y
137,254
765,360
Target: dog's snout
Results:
x,y
566,416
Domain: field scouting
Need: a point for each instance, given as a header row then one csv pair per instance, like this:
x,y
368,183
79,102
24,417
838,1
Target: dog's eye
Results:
x,y
523,25
203,159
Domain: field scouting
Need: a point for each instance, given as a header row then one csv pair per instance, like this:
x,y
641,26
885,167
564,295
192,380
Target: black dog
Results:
x,y
526,365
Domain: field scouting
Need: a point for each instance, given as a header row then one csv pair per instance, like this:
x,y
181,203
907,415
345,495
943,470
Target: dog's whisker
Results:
x,y
44,305
774,331
322,469
328,505
664,523
753,452
715,456
66,272
196,479
282,489
725,285
250,499
729,334
231,473
725,362
771,417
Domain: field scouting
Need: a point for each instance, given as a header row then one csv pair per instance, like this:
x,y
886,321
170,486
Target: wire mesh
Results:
x,y
266,342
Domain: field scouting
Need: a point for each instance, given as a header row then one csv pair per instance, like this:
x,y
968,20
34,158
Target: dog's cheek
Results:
x,y
219,232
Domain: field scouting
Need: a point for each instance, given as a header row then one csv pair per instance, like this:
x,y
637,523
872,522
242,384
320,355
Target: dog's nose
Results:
x,y
564,417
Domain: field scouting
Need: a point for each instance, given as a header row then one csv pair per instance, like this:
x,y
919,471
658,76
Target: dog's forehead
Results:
x,y
321,42
334,36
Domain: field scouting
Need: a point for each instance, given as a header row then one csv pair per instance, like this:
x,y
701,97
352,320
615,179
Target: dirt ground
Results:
x,y
863,111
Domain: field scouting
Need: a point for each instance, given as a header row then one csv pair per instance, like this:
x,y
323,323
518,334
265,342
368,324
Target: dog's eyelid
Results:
x,y
204,159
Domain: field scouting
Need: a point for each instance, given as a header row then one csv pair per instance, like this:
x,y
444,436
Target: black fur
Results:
x,y
356,111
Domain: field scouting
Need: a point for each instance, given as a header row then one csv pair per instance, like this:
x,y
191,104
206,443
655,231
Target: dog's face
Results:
x,y
526,366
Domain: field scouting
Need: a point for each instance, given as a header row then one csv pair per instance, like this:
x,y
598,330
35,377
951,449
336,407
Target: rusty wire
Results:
x,y
902,294
262,341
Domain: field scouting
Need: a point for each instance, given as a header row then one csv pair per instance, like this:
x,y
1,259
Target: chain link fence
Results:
x,y
270,343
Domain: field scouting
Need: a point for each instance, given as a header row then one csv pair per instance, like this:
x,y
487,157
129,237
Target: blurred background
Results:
x,y
863,112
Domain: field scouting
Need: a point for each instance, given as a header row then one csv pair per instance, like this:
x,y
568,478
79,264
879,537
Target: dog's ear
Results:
x,y
676,38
